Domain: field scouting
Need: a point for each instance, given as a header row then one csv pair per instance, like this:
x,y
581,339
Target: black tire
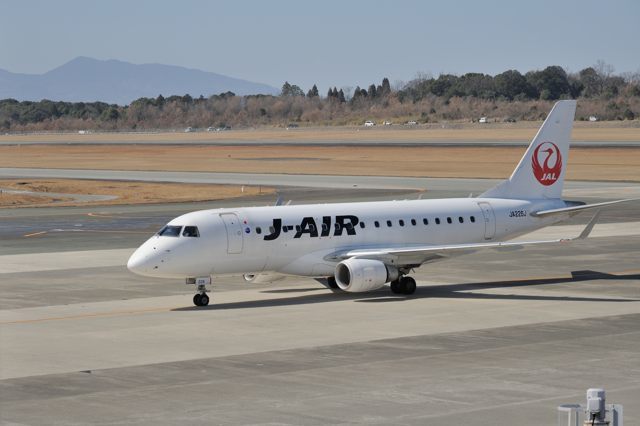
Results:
x,y
197,300
395,287
204,299
409,285
331,282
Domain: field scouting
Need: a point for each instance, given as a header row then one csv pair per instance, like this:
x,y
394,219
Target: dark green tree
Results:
x,y
286,89
510,84
313,92
591,82
551,83
386,87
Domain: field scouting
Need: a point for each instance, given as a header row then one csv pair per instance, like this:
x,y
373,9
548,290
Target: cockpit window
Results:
x,y
190,231
170,231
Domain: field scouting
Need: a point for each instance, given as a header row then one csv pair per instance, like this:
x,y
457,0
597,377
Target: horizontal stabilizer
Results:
x,y
571,209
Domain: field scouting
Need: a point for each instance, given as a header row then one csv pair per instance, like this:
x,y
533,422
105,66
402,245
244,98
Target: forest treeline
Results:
x,y
507,96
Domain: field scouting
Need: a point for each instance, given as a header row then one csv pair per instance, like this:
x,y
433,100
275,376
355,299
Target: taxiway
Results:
x,y
489,338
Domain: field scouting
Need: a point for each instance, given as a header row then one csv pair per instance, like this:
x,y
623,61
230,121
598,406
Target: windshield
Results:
x,y
170,231
190,231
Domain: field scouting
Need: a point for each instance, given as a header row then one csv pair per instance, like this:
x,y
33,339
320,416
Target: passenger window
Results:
x,y
285,229
401,222
389,223
425,221
437,221
272,230
413,222
376,224
258,230
325,227
298,228
473,219
461,219
170,231
191,231
449,220
362,225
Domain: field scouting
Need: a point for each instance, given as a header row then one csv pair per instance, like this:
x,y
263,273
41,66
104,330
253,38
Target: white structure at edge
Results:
x,y
596,412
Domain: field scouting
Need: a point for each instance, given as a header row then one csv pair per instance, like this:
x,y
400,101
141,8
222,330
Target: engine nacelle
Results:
x,y
359,275
262,278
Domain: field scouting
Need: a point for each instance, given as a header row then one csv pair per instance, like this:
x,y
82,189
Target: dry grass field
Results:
x,y
602,164
616,164
126,192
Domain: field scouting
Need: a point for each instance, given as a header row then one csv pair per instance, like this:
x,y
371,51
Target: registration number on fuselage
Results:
x,y
518,213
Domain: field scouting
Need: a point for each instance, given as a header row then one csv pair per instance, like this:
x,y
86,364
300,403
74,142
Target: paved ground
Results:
x,y
319,142
490,338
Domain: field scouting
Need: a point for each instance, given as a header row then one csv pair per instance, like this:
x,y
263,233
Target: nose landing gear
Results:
x,y
200,298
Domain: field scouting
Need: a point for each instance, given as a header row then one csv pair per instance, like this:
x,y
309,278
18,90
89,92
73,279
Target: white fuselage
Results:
x,y
299,240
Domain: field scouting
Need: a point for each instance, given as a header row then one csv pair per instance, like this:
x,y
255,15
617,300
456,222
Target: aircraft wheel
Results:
x,y
395,287
409,285
204,299
332,282
197,299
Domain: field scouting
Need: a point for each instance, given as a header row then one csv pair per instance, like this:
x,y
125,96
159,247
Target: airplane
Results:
x,y
363,246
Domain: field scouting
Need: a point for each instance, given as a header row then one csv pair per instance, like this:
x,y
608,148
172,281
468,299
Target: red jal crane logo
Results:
x,y
549,171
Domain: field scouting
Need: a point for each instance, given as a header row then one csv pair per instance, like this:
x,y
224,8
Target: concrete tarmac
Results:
x,y
489,338
320,142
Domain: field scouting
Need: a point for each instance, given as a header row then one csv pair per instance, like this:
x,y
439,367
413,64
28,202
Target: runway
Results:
x,y
490,338
319,142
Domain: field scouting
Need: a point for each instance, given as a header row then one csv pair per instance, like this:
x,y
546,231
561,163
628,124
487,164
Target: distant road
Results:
x,y
498,134
319,142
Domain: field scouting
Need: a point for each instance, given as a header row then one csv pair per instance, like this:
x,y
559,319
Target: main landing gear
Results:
x,y
403,285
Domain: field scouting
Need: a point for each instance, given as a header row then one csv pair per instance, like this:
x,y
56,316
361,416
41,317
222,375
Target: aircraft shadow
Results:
x,y
449,291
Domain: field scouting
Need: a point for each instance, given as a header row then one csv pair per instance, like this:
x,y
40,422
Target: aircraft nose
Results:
x,y
139,262
135,263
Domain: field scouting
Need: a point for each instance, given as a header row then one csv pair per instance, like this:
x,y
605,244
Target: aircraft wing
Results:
x,y
418,255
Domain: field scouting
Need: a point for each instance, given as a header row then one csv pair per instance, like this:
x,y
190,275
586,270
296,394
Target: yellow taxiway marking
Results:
x,y
103,231
90,315
108,215
99,215
35,233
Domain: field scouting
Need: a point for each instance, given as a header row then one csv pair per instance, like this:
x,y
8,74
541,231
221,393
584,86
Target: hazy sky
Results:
x,y
341,43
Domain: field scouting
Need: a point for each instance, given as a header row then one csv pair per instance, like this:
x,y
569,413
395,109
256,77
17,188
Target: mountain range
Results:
x,y
116,82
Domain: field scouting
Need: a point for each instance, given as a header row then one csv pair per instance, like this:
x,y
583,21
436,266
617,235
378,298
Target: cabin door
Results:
x,y
234,232
489,220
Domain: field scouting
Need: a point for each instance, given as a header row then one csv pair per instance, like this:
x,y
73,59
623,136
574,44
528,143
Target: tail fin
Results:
x,y
541,171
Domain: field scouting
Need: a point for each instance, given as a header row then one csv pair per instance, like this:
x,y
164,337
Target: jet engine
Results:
x,y
360,275
262,278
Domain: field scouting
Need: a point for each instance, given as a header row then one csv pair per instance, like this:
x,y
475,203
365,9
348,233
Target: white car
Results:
x,y
188,130
483,120
369,123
